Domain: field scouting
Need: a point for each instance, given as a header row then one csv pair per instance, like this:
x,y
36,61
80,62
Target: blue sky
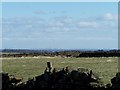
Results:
x,y
50,25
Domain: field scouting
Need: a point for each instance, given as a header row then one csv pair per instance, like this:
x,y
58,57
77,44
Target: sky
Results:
x,y
60,0
59,25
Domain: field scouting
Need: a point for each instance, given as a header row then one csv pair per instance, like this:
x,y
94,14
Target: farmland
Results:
x,y
28,67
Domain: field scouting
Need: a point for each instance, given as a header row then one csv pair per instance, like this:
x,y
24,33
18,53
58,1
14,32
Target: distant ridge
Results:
x,y
49,50
60,53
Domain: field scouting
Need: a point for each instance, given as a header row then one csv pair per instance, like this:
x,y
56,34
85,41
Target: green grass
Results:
x,y
31,67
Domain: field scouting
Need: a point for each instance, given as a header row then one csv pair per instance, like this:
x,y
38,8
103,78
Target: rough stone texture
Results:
x,y
52,79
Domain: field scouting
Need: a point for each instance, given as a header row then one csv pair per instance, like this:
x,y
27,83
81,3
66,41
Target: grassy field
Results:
x,y
31,67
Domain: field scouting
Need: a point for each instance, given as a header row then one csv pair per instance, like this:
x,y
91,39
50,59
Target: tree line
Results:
x,y
59,53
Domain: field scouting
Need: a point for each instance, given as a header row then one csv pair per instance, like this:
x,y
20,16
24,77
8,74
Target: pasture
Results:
x,y
30,67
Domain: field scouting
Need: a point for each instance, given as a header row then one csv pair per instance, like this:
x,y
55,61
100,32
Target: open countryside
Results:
x,y
28,67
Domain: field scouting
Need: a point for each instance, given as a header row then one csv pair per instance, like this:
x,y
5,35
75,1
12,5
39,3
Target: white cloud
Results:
x,y
59,38
18,39
63,19
95,38
28,27
7,39
109,16
88,24
40,12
